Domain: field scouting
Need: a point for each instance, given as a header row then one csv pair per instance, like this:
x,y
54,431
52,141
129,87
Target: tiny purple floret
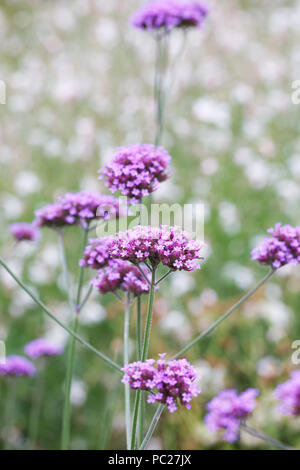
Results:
x,y
170,383
137,170
171,246
42,348
78,209
228,409
17,366
170,14
288,393
121,275
24,231
279,249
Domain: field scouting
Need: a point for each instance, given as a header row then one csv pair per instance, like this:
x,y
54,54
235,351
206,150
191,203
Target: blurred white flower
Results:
x,y
20,303
212,112
27,182
93,312
269,367
40,274
172,321
78,392
12,206
106,33
209,166
243,277
229,218
212,378
182,282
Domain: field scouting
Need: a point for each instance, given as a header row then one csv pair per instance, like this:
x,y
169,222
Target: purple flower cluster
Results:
x,y
169,14
121,275
137,170
24,231
78,208
170,382
169,246
96,255
42,348
281,248
17,366
289,395
228,409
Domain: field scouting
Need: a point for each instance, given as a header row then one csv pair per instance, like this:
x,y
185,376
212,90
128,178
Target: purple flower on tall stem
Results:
x,y
281,248
137,170
17,366
24,231
121,275
228,409
172,247
170,14
288,393
41,347
96,255
171,383
78,209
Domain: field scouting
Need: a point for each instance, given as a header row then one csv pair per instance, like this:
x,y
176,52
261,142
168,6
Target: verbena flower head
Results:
x,y
121,275
42,348
24,231
170,246
137,170
171,383
289,395
281,248
228,409
17,366
170,14
96,255
78,209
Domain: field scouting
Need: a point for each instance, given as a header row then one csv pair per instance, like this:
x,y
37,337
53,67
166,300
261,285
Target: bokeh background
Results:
x,y
79,84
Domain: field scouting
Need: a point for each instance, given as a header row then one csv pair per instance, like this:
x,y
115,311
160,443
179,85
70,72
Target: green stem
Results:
x,y
108,415
144,356
68,286
81,272
66,428
226,315
65,441
36,410
149,318
126,361
139,328
139,356
265,437
10,409
152,426
159,92
135,418
86,298
65,327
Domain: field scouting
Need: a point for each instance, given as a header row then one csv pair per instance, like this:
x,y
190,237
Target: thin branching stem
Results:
x,y
164,276
226,315
152,426
126,361
264,437
106,359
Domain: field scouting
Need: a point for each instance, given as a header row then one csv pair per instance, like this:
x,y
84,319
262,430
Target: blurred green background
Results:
x,y
79,83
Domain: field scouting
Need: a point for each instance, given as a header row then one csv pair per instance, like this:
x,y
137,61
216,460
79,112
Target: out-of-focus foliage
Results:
x,y
79,83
